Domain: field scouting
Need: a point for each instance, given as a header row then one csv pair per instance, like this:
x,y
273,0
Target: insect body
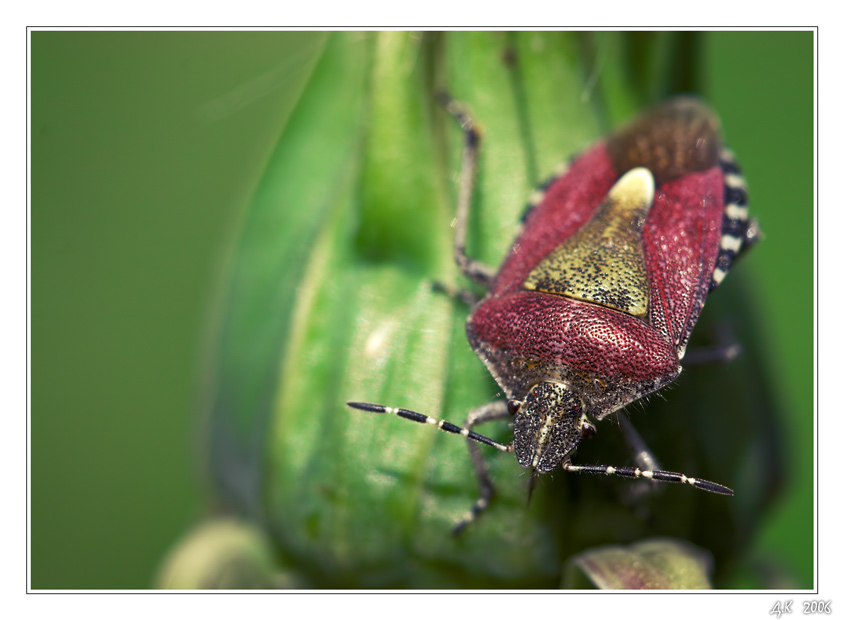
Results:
x,y
593,307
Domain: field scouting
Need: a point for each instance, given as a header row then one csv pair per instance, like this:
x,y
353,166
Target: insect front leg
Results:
x,y
495,410
473,269
643,456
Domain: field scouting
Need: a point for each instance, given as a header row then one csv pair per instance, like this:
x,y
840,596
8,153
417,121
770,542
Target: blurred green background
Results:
x,y
146,148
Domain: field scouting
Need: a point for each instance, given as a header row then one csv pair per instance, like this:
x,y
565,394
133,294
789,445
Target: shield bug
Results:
x,y
594,305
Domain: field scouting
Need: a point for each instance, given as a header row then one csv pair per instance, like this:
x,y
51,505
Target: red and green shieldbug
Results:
x,y
594,305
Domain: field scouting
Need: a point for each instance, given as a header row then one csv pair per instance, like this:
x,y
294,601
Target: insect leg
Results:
x,y
471,268
725,349
720,354
460,294
495,410
643,456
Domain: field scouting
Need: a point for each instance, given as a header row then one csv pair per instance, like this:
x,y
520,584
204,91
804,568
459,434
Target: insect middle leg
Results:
x,y
725,349
495,410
